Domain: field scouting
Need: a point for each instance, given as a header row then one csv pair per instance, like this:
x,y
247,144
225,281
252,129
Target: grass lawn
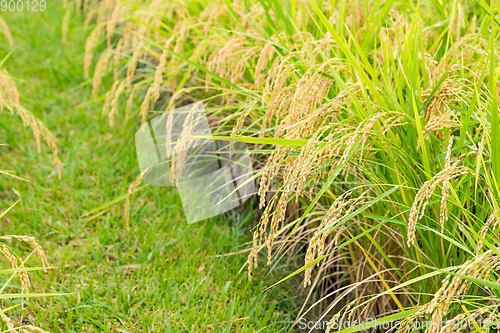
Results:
x,y
162,275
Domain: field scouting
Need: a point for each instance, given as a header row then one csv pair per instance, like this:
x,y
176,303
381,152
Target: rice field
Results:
x,y
160,275
373,130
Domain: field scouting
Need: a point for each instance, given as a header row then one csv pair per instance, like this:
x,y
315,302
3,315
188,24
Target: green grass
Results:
x,y
162,275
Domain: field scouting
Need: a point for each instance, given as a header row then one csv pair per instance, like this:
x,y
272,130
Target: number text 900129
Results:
x,y
23,5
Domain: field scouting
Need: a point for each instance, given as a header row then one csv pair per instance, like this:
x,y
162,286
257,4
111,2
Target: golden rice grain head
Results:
x,y
145,106
92,41
312,88
111,26
293,179
159,72
479,267
90,15
103,11
114,102
183,144
276,106
239,124
7,321
332,322
65,23
252,257
179,45
108,98
132,65
37,249
35,329
222,61
450,90
34,244
126,209
265,55
270,170
423,196
493,221
8,93
439,123
40,131
100,69
342,206
168,138
6,253
258,234
130,101
153,92
459,21
57,162
443,214
117,58
179,93
16,263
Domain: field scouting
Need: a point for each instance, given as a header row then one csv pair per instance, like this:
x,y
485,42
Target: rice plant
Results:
x,y
375,128
9,101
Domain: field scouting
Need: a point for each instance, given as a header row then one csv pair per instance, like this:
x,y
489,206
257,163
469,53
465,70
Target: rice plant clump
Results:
x,y
377,132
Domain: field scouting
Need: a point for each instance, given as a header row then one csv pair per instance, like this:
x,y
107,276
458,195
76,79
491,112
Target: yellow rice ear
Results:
x,y
4,28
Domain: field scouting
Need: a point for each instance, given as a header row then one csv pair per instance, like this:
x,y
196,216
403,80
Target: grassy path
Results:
x,y
161,275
